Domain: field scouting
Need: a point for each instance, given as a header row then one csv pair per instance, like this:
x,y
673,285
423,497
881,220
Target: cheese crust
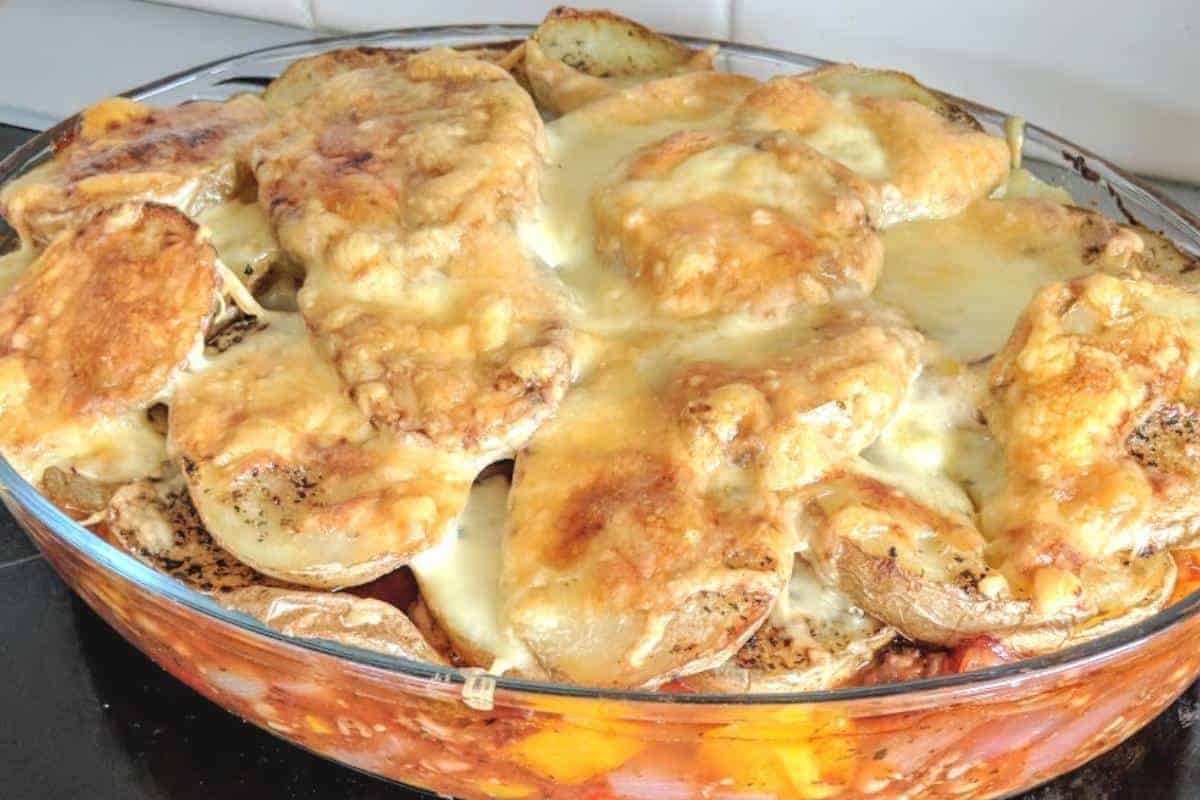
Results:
x,y
785,374
189,156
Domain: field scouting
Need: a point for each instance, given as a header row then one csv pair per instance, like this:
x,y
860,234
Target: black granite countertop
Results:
x,y
83,715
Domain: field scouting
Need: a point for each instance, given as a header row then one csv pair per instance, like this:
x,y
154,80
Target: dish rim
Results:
x,y
16,490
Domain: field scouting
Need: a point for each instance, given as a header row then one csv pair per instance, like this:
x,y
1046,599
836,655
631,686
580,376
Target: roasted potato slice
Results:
x,y
922,569
156,523
924,159
625,563
723,222
576,57
415,281
305,76
188,156
342,618
814,639
94,333
1093,400
289,476
866,82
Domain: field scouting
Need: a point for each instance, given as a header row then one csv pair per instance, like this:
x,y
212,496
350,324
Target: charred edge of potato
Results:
x,y
890,83
436,634
1162,256
156,523
769,662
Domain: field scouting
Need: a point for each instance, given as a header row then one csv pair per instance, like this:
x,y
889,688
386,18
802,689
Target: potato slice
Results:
x,y
814,639
306,76
1094,400
188,156
888,83
922,569
736,221
576,57
94,333
397,187
289,476
156,523
626,564
342,618
925,158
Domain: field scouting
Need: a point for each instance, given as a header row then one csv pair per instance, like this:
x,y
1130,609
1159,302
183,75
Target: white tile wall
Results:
x,y
695,17
57,56
1121,80
286,12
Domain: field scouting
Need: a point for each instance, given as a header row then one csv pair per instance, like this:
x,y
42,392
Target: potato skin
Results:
x,y
946,594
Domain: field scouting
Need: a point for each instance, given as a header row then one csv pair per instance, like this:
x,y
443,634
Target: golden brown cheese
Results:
x,y
645,540
586,148
395,186
794,409
187,156
305,76
723,222
388,168
923,568
923,162
472,359
1093,399
289,476
624,565
93,334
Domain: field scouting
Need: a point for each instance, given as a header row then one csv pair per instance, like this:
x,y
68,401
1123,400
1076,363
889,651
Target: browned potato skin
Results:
x,y
891,585
156,523
801,652
577,57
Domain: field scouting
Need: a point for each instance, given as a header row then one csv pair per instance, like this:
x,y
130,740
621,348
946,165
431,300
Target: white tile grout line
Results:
x,y
18,562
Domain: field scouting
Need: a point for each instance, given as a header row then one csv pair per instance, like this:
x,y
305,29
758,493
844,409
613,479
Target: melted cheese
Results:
x,y
852,144
964,281
241,233
812,611
934,449
1023,183
584,149
459,579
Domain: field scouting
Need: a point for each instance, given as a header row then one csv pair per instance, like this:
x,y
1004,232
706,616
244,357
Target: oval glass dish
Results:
x,y
988,733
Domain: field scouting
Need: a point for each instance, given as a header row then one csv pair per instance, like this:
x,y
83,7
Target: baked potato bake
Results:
x,y
641,374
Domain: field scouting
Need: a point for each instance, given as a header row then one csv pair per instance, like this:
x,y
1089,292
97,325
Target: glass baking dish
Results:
x,y
988,733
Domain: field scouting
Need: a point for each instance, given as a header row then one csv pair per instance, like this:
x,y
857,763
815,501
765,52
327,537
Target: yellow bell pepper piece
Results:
x,y
572,754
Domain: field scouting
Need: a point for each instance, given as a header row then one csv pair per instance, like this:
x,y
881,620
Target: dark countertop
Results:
x,y
87,716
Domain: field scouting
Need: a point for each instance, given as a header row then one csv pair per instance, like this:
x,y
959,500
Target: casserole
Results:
x,y
985,733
